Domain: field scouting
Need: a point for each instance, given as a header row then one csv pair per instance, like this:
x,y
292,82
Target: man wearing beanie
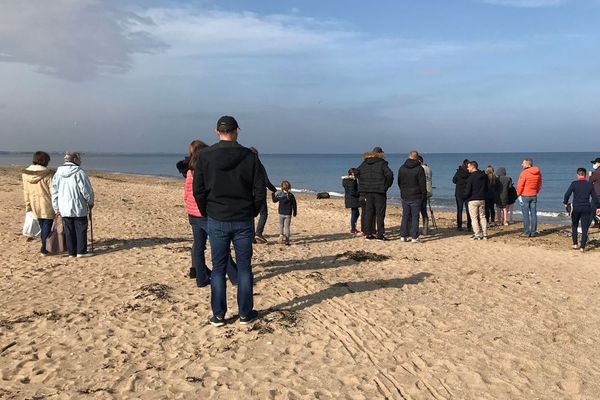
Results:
x,y
229,188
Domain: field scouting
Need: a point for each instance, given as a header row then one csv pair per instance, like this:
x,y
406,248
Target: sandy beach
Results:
x,y
341,317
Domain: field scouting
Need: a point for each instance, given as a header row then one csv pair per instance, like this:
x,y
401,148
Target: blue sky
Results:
x,y
301,76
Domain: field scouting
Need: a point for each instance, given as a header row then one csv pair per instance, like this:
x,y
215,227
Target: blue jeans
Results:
x,y
354,214
46,230
410,218
221,234
203,273
529,209
262,219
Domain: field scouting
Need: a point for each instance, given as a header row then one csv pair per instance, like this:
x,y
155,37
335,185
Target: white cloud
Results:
x,y
526,3
72,39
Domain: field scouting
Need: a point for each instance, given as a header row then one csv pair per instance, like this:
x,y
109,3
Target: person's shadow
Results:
x,y
270,269
106,246
342,289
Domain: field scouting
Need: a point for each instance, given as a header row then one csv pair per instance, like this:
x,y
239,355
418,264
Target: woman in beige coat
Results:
x,y
37,190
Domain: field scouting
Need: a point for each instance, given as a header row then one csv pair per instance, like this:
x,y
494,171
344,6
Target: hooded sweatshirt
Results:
x,y
477,186
374,175
412,181
37,191
229,184
72,191
530,182
504,183
460,180
351,195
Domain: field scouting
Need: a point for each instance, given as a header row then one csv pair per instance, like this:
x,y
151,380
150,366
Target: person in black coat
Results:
x,y
460,180
374,179
351,197
413,192
476,191
584,196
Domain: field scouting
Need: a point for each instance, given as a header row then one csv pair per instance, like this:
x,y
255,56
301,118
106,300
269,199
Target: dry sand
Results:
x,y
450,318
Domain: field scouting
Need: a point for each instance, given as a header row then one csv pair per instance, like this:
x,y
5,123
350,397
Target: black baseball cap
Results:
x,y
227,124
597,160
377,150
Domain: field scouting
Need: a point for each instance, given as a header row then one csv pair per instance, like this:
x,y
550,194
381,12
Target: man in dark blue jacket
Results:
x,y
584,196
229,187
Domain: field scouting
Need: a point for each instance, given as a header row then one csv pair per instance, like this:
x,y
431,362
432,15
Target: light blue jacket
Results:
x,y
71,191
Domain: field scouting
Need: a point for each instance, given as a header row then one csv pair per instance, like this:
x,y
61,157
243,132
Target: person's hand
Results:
x,y
91,206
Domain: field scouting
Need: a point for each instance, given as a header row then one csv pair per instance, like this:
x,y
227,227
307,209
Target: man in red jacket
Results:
x,y
528,187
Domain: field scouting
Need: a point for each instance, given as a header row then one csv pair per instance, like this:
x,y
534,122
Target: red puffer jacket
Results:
x,y
188,195
530,182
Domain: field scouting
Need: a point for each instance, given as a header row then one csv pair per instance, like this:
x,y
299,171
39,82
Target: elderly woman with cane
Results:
x,y
73,199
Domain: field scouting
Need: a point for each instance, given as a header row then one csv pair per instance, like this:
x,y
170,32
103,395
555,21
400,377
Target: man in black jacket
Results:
x,y
374,179
460,180
229,188
413,192
476,191
584,198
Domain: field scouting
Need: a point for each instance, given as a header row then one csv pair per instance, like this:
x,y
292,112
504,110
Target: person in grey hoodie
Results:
x,y
73,198
503,198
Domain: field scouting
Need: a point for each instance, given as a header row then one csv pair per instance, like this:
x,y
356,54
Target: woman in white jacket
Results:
x,y
73,198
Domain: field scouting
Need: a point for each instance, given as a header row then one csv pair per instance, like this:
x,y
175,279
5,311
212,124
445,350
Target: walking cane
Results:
x,y
91,231
432,216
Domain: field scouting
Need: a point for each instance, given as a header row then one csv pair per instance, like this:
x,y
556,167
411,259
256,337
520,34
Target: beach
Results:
x,y
341,317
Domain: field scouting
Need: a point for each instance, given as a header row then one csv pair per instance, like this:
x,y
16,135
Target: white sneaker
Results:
x,y
42,254
85,255
403,239
415,240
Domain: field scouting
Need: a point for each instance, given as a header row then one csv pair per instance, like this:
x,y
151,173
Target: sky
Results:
x,y
311,76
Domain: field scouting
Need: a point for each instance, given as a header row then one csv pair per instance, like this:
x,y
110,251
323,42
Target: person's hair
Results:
x,y
465,163
194,148
491,175
413,155
286,186
352,171
473,163
41,158
581,171
529,161
71,156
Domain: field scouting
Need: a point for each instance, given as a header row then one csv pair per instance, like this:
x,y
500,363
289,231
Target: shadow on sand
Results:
x,y
107,246
343,288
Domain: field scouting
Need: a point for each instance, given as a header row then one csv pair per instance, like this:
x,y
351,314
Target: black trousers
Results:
x,y
490,210
460,204
375,213
76,234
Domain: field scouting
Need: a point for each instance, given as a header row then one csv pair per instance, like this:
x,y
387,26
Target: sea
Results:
x,y
314,173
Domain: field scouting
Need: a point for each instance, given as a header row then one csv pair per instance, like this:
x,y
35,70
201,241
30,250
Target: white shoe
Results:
x,y
43,254
403,239
85,255
415,241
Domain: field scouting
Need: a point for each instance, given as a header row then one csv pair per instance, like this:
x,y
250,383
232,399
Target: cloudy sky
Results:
x,y
309,76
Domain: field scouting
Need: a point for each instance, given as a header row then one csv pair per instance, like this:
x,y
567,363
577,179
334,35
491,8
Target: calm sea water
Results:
x,y
313,173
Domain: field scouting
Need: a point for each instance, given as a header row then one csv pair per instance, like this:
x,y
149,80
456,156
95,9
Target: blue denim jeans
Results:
x,y
221,234
200,232
529,209
46,230
354,215
262,219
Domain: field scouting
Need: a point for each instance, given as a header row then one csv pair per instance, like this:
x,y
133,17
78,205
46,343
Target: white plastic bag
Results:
x,y
31,227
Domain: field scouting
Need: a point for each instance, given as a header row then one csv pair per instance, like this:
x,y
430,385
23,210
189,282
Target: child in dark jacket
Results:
x,y
351,198
287,209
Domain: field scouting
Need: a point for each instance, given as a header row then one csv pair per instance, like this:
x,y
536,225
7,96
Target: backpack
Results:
x,y
512,194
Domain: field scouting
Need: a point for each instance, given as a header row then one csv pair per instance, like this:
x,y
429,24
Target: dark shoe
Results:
x,y
252,315
524,235
260,239
203,284
192,273
383,238
369,237
216,321
460,229
534,234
